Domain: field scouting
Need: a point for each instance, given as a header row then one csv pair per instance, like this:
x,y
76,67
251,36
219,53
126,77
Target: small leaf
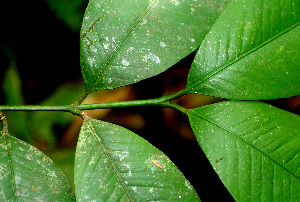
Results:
x,y
26,174
123,42
64,159
114,164
50,119
253,147
251,52
69,11
12,88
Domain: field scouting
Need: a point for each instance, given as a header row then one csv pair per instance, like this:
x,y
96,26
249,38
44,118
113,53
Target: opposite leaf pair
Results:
x,y
250,53
250,154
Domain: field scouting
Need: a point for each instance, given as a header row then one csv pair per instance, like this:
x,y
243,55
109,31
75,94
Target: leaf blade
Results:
x,y
113,163
131,41
27,174
250,53
51,119
69,12
14,96
254,152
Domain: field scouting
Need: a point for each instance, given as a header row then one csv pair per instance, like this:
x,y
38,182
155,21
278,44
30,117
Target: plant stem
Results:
x,y
82,97
65,108
173,96
164,101
134,103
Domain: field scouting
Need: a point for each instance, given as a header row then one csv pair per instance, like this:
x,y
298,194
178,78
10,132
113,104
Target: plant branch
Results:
x,y
164,101
134,103
82,97
173,96
65,108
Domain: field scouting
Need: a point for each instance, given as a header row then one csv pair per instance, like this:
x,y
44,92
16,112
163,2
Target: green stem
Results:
x,y
173,96
65,108
134,103
164,101
82,97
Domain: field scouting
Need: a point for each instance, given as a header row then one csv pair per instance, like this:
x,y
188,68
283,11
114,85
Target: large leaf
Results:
x,y
253,147
123,42
250,53
114,164
26,174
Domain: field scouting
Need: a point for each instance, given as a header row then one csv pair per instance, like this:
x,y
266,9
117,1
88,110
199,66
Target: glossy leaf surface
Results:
x,y
253,147
123,42
251,52
114,164
26,174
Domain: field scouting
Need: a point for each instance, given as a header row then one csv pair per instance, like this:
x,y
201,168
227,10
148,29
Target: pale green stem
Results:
x,y
164,101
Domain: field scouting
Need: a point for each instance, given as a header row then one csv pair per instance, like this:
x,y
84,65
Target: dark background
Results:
x,y
43,45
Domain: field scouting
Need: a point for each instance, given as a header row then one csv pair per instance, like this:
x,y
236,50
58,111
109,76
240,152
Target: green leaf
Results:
x,y
251,52
123,42
253,147
69,11
12,88
26,174
114,164
50,119
64,159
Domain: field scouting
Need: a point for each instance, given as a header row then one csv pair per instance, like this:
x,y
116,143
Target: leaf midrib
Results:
x,y
244,141
117,48
108,158
227,65
12,169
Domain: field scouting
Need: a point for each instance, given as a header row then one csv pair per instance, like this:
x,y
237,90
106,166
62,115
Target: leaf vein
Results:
x,y
227,65
117,48
9,155
107,156
244,141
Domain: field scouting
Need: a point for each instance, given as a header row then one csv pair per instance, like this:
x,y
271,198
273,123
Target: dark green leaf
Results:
x,y
253,147
64,95
123,42
251,52
26,174
69,11
114,164
64,159
12,87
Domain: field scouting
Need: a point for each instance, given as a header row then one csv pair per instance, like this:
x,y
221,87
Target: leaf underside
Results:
x,y
26,174
253,147
251,52
114,164
123,42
